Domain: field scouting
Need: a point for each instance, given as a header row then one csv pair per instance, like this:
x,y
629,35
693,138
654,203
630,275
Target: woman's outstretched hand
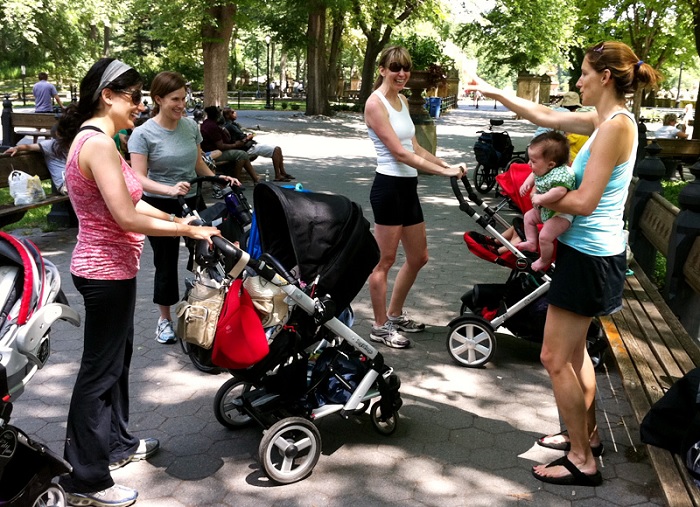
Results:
x,y
476,84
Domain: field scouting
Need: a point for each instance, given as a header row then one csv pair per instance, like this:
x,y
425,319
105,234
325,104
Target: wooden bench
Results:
x,y
676,153
33,163
17,125
651,347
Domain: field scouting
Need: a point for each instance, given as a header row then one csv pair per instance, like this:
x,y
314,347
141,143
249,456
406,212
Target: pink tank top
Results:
x,y
104,250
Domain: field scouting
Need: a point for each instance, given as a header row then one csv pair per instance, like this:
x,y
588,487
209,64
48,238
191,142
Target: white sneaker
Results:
x,y
116,496
406,324
388,335
164,331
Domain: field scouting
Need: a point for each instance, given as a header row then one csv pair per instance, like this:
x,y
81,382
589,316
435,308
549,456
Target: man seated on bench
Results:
x,y
215,137
253,148
669,129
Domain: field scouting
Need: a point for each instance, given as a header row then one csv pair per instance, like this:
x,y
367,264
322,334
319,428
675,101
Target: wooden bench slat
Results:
x,y
690,486
672,355
671,481
691,347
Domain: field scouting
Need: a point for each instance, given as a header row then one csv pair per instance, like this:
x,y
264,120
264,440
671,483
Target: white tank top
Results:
x,y
405,130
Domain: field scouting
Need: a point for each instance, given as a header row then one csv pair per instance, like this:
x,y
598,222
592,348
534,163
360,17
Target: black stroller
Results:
x,y
494,154
519,304
30,302
318,251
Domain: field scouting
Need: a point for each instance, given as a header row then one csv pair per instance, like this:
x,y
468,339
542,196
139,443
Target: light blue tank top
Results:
x,y
600,234
405,130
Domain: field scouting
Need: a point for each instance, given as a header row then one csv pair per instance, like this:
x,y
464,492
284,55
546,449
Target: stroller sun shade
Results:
x,y
325,235
511,181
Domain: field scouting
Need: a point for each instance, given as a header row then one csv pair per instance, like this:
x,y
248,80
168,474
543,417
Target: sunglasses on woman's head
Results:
x,y
396,67
136,95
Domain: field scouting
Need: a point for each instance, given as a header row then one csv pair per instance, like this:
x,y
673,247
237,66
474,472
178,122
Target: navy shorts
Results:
x,y
585,284
395,201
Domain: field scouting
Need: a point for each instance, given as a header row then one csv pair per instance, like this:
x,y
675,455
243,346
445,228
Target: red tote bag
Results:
x,y
240,339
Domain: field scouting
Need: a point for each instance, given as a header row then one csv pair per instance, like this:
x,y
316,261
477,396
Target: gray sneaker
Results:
x,y
116,496
147,448
164,331
405,324
388,335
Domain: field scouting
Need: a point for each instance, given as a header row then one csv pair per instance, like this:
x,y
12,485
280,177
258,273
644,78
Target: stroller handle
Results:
x,y
463,204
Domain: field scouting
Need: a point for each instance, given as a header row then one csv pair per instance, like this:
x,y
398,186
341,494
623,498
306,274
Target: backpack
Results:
x,y
484,150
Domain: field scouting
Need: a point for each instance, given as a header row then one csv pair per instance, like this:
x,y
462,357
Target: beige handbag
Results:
x,y
268,300
198,314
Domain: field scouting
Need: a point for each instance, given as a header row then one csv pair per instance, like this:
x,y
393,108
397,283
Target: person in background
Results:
x,y
591,260
215,137
669,130
165,155
106,196
397,211
44,93
54,156
240,138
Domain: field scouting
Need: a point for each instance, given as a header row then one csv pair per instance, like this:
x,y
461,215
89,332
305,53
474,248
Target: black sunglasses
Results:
x,y
136,95
396,67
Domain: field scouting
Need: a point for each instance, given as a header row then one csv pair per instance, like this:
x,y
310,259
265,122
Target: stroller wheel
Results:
x,y
384,425
484,179
53,496
200,357
471,341
290,449
228,407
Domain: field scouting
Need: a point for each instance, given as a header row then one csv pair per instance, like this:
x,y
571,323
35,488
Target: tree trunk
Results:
x,y
106,36
334,53
374,47
216,37
317,86
283,74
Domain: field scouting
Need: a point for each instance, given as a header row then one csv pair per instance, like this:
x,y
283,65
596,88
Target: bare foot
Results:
x,y
527,246
540,265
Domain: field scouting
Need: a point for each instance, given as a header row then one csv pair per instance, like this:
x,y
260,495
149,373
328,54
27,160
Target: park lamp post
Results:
x,y
678,90
267,85
23,70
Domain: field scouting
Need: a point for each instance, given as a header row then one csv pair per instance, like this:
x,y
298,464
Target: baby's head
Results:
x,y
547,151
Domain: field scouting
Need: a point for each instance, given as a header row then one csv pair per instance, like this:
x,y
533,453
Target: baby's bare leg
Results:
x,y
551,230
530,221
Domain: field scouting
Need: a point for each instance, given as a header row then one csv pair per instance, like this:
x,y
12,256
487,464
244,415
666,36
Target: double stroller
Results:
x,y
519,304
30,302
317,252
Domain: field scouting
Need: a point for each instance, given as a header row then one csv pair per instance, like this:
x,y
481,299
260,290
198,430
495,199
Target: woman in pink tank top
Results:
x,y
113,220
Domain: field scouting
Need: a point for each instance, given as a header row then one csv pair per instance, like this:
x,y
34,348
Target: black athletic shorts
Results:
x,y
395,201
585,284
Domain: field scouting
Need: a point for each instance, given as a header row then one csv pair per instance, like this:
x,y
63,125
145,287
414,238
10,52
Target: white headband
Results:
x,y
112,72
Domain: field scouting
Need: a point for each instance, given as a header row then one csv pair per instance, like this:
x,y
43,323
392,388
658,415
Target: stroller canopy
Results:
x,y
325,235
511,181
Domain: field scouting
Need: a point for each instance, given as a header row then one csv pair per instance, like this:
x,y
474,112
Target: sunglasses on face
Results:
x,y
397,67
136,95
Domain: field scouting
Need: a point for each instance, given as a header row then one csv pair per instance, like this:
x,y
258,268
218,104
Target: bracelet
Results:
x,y
172,217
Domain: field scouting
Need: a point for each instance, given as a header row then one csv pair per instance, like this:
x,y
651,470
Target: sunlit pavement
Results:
x,y
466,436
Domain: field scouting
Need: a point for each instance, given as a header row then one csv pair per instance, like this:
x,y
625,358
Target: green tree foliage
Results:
x,y
522,34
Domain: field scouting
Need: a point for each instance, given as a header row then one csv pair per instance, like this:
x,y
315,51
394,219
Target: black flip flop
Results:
x,y
597,451
577,477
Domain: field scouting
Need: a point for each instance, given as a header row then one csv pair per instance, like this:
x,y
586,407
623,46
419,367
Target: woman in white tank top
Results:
x,y
587,281
397,213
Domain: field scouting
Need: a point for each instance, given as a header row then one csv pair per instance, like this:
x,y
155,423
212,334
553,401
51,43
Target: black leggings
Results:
x,y
166,285
97,432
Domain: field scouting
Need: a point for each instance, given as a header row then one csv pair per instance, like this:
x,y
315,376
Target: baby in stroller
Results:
x,y
552,178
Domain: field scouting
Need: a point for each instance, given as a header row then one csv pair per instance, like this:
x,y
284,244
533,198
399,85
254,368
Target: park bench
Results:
x,y
650,345
32,163
17,125
676,153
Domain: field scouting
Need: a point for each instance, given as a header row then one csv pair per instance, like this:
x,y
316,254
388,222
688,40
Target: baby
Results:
x,y
552,178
